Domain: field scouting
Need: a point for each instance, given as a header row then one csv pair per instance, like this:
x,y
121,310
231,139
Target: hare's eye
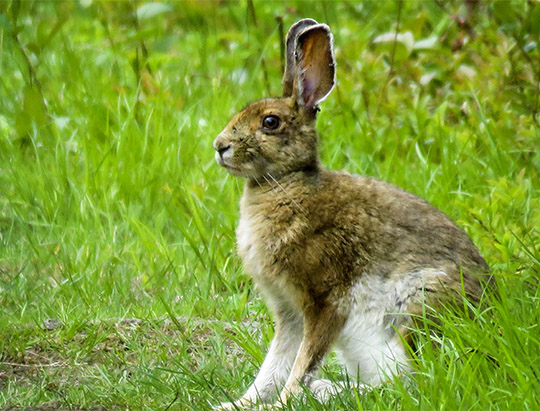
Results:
x,y
271,122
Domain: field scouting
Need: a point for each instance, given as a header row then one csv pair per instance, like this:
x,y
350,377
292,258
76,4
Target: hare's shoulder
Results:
x,y
355,199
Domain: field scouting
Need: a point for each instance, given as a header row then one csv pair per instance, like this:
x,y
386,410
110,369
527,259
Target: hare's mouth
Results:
x,y
226,164
238,171
231,168
235,170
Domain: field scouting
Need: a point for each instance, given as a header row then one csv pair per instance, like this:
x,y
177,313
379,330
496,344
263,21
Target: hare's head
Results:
x,y
277,136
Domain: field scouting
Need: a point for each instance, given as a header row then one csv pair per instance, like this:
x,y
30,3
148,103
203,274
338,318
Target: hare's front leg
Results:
x,y
321,328
277,364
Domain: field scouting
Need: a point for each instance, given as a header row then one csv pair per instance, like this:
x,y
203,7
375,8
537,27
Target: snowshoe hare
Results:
x,y
343,261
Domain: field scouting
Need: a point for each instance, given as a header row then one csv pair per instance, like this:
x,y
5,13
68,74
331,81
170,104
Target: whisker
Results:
x,y
272,186
258,182
285,192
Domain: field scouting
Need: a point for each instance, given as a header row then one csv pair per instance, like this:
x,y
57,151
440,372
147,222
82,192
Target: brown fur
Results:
x,y
313,233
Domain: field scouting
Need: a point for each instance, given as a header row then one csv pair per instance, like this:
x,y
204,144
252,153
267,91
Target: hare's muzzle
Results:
x,y
223,149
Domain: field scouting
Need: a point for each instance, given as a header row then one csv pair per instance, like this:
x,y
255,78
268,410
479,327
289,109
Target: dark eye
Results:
x,y
271,122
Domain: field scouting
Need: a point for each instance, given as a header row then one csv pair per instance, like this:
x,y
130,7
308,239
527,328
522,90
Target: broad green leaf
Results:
x,y
33,106
85,3
504,11
534,20
404,43
149,10
4,126
530,46
427,77
5,24
465,73
163,44
426,44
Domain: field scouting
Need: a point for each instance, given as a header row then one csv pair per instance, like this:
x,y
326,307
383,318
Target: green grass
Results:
x,y
116,223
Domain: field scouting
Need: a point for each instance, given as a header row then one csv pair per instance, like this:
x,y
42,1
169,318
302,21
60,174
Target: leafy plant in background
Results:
x,y
119,284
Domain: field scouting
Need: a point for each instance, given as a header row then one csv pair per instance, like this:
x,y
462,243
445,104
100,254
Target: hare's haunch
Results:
x,y
344,261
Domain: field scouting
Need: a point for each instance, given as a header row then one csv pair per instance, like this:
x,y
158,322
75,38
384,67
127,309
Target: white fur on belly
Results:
x,y
368,345
369,352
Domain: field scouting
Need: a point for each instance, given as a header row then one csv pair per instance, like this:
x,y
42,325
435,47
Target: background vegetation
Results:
x,y
119,283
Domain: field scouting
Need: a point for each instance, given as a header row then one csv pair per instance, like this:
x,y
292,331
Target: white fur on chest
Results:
x,y
262,231
257,246
249,245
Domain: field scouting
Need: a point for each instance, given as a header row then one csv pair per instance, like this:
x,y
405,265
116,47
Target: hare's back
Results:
x,y
398,229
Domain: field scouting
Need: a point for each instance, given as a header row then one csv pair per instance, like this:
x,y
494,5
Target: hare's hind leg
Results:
x,y
376,360
369,345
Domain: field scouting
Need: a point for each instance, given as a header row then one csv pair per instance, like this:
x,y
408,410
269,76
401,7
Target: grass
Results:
x,y
119,282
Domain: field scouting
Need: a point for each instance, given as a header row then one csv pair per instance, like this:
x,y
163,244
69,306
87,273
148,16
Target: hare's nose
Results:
x,y
221,145
221,150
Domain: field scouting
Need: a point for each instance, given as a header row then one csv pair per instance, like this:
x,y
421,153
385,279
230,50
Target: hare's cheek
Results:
x,y
240,157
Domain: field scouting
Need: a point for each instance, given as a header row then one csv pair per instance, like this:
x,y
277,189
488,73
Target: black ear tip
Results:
x,y
305,22
317,27
297,27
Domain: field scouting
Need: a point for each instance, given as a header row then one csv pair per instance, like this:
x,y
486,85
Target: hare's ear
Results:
x,y
290,62
315,66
